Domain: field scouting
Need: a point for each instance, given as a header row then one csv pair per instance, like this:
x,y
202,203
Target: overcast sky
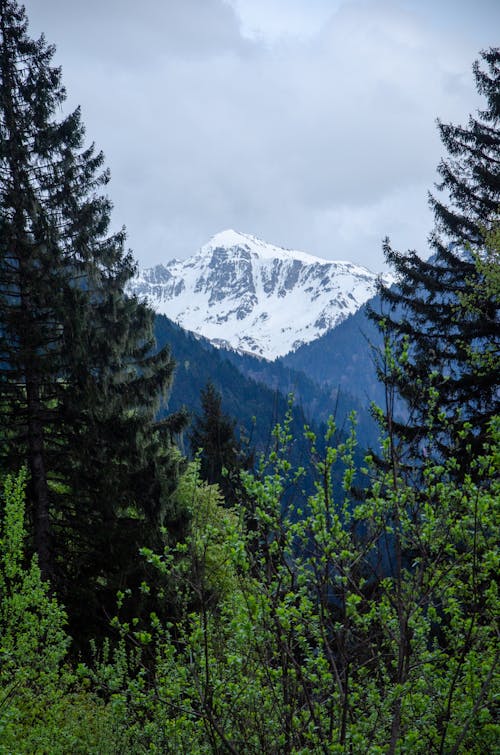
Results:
x,y
308,123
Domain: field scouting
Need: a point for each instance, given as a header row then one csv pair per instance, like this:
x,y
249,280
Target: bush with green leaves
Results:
x,y
342,627
43,707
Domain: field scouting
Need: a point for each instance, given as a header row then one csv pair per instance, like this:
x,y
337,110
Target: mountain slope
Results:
x,y
257,407
318,401
245,294
344,357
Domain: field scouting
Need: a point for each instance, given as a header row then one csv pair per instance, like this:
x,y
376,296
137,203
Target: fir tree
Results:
x,y
429,322
222,455
79,384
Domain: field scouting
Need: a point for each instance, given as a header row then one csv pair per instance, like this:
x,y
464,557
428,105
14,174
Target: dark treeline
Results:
x,y
79,388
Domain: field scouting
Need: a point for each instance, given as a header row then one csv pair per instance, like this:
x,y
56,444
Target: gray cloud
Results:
x,y
325,142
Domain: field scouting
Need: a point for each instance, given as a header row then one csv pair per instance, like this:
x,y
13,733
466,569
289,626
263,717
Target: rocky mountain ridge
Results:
x,y
245,294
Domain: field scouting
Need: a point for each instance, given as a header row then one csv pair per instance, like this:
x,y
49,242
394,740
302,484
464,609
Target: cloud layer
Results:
x,y
323,140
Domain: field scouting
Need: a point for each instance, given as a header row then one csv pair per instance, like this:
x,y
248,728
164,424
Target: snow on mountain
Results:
x,y
248,295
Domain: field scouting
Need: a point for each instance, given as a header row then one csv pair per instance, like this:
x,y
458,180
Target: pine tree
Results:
x,y
428,319
222,455
79,384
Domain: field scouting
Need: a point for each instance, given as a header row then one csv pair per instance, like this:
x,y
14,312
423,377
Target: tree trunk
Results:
x,y
39,493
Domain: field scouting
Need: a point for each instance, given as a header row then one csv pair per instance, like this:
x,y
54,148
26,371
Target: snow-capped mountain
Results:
x,y
248,295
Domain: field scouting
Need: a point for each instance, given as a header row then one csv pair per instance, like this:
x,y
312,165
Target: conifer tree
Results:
x,y
222,455
79,384
429,321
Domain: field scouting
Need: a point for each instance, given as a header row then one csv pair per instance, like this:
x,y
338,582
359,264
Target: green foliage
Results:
x,y
332,627
202,560
475,302
339,628
43,707
168,715
32,622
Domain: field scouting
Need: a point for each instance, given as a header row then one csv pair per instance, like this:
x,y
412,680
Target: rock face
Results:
x,y
245,294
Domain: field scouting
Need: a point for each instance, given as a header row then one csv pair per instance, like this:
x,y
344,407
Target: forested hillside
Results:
x,y
256,391
346,357
312,598
256,407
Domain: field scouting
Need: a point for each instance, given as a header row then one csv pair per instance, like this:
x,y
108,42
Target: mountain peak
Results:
x,y
231,239
241,292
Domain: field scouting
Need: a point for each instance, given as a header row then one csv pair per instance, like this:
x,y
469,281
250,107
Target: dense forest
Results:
x,y
170,584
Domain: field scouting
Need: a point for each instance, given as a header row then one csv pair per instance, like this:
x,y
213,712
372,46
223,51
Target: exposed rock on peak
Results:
x,y
241,292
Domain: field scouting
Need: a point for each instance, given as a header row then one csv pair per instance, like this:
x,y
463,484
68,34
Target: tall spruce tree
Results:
x,y
429,320
222,454
79,384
